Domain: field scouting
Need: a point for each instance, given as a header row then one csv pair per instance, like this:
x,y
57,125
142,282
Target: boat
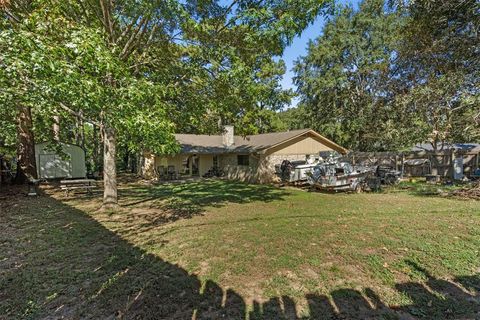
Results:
x,y
340,176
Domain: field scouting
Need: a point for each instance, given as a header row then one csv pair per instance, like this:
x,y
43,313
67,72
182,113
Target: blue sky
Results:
x,y
299,47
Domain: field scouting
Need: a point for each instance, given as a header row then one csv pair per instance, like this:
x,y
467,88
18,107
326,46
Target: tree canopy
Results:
x,y
389,75
141,70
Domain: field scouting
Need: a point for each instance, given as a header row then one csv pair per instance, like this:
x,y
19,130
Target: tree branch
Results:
x,y
107,18
11,15
78,114
127,30
227,11
133,36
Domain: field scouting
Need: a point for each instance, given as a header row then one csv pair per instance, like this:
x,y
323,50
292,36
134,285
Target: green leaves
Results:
x,y
440,57
150,68
384,78
349,74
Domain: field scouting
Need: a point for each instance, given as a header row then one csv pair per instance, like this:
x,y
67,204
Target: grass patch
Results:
x,y
420,188
219,249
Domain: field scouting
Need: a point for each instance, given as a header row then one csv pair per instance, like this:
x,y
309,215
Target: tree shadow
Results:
x,y
203,193
58,262
438,298
167,203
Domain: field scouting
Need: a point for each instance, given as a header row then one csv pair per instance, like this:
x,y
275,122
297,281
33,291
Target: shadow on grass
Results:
x,y
186,200
56,261
203,193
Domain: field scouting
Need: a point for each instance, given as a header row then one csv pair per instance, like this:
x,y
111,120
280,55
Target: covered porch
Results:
x,y
179,166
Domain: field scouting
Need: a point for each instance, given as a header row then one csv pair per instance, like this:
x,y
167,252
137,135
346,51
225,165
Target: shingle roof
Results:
x,y
201,144
268,140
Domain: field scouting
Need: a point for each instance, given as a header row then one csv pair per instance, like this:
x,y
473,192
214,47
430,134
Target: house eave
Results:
x,y
323,139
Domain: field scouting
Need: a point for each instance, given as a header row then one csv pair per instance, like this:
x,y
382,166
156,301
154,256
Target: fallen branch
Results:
x,y
471,192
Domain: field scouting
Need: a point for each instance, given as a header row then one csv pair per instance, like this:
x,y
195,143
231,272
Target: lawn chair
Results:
x,y
171,173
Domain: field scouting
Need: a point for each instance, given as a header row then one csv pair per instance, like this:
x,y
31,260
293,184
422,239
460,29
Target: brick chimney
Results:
x,y
227,136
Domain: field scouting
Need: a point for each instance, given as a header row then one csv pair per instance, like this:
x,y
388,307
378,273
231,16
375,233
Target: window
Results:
x,y
242,159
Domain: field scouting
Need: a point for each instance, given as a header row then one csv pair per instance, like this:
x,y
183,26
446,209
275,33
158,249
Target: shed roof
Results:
x,y
201,144
475,147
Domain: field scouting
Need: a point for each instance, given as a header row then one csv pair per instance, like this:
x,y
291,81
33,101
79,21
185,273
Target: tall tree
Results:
x,y
349,75
26,164
62,61
143,69
18,112
294,118
439,55
388,76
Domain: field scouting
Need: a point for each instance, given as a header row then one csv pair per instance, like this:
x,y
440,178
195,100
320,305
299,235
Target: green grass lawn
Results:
x,y
216,249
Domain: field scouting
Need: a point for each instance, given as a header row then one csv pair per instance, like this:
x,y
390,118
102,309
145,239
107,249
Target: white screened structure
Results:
x,y
51,165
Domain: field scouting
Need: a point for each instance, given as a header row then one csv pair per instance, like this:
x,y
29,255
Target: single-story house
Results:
x,y
52,165
250,158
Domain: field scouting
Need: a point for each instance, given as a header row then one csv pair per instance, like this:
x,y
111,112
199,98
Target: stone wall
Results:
x,y
226,160
260,170
266,172
277,159
228,163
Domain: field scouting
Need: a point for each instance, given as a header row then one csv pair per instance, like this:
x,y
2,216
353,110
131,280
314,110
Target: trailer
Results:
x,y
330,173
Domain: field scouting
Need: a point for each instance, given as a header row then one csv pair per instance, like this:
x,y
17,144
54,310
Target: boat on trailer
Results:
x,y
333,174
341,176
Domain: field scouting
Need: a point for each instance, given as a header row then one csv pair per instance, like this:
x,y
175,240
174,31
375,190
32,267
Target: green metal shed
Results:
x,y
51,165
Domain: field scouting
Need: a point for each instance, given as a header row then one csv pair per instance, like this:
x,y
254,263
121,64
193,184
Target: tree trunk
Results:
x,y
26,165
56,128
79,133
139,163
96,151
126,160
133,163
110,199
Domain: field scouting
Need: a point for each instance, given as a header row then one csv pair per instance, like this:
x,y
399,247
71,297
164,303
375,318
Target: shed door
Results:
x,y
47,166
53,166
63,168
